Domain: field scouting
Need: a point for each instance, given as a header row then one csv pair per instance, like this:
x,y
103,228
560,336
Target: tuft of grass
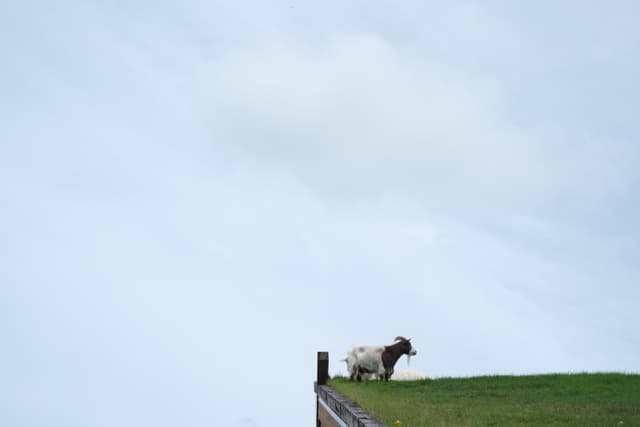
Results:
x,y
607,399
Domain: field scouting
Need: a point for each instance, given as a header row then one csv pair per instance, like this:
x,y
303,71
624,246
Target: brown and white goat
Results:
x,y
377,360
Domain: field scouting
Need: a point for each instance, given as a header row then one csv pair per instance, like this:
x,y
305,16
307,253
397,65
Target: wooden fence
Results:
x,y
334,409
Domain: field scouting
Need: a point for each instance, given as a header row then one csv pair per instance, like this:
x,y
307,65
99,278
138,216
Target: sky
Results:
x,y
198,196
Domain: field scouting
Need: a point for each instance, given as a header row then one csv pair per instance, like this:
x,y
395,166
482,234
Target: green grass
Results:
x,y
540,400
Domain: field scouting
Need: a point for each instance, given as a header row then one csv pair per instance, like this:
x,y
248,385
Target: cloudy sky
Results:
x,y
198,196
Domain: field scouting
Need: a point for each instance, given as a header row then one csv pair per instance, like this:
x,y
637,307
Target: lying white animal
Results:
x,y
408,375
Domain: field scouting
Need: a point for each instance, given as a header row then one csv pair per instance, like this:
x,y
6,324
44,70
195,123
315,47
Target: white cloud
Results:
x,y
357,115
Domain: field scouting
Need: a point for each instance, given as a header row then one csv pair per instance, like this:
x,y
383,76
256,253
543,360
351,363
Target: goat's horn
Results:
x,y
400,338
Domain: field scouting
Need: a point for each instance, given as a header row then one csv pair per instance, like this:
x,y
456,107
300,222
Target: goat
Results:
x,y
377,360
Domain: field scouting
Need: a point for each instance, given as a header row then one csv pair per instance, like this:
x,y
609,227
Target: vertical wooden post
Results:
x,y
322,377
323,367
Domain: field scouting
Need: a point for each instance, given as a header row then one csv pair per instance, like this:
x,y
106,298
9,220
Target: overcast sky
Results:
x,y
197,197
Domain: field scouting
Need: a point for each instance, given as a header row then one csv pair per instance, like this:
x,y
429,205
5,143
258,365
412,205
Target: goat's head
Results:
x,y
405,346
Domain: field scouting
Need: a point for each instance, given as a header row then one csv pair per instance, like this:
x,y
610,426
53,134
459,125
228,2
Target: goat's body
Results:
x,y
365,359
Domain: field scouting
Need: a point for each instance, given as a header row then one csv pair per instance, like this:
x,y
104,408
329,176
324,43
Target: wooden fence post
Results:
x,y
321,378
323,367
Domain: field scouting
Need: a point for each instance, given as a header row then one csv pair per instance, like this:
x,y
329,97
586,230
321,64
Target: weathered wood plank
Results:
x,y
348,411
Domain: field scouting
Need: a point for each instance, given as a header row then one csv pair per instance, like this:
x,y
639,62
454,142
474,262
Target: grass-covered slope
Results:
x,y
544,400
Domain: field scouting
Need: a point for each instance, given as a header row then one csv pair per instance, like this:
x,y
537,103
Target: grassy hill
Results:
x,y
544,400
